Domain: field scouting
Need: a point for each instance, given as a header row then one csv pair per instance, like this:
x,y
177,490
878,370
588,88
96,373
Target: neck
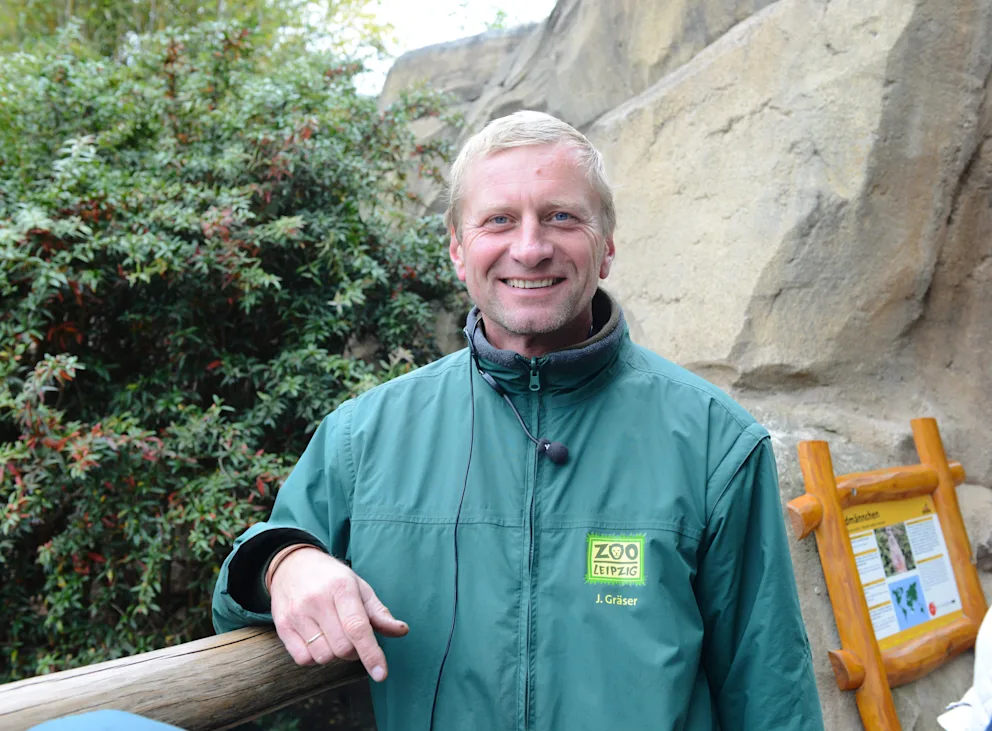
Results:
x,y
535,345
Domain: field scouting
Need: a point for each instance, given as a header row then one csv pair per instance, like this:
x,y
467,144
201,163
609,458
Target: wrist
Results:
x,y
281,556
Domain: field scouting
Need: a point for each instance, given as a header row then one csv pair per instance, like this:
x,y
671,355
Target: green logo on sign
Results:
x,y
614,559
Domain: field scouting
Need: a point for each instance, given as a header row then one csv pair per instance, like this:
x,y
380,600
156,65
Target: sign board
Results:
x,y
904,570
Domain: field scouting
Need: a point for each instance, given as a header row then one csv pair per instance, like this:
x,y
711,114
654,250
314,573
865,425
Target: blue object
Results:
x,y
104,721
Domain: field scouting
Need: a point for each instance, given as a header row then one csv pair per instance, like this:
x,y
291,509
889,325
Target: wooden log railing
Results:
x,y
207,685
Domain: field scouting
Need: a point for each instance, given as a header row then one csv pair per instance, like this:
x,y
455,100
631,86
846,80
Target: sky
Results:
x,y
421,23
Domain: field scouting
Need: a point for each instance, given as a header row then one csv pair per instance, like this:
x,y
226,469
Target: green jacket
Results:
x,y
644,584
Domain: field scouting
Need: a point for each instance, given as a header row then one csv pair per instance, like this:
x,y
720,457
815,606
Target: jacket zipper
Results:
x,y
535,387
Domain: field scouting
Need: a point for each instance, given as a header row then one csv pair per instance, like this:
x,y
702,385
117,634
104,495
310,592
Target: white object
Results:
x,y
974,711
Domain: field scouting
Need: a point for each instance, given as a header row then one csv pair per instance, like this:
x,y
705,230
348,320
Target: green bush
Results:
x,y
197,241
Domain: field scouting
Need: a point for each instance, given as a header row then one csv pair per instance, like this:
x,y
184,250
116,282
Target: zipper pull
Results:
x,y
535,376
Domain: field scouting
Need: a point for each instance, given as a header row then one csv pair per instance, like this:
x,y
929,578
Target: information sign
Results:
x,y
905,572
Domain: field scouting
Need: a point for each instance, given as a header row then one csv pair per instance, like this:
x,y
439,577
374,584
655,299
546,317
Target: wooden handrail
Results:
x,y
894,483
860,488
207,685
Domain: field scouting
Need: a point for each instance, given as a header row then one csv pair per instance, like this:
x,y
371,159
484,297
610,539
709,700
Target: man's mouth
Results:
x,y
532,283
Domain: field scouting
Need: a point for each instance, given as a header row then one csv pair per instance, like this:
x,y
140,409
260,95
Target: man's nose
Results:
x,y
531,246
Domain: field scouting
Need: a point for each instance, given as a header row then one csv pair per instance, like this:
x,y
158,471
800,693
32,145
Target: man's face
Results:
x,y
532,249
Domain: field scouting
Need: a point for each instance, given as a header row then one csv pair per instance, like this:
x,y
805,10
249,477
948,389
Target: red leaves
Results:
x,y
93,210
57,334
218,223
77,292
48,241
79,565
278,168
214,364
79,453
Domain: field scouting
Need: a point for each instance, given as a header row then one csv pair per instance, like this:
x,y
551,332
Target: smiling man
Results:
x,y
576,533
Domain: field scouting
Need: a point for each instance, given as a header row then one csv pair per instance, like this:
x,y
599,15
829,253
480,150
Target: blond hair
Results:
x,y
522,129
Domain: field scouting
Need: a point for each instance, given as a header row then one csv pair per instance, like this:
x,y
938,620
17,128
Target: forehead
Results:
x,y
528,172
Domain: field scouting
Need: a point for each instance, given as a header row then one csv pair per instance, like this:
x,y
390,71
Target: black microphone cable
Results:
x,y
458,514
555,451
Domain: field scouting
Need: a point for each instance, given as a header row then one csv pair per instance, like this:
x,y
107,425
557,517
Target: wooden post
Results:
x,y
930,447
805,514
206,685
848,671
860,656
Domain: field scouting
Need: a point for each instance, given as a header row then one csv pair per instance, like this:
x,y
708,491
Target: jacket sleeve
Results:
x,y
313,506
755,650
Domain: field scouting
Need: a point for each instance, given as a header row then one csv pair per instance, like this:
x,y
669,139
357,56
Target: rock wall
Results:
x,y
587,58
804,191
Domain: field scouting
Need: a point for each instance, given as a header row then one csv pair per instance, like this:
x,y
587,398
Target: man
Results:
x,y
634,574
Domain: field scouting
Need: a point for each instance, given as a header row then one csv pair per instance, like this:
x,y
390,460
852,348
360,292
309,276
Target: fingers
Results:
x,y
336,618
295,645
358,629
379,616
333,643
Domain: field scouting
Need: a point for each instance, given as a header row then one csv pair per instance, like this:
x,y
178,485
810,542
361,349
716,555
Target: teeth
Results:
x,y
530,283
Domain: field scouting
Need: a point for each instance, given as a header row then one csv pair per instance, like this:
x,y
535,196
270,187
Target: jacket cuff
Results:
x,y
246,572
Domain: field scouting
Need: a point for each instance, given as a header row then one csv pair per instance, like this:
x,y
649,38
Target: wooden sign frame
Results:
x,y
860,664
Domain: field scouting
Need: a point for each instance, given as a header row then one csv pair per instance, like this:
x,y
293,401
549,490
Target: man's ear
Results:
x,y
609,251
456,253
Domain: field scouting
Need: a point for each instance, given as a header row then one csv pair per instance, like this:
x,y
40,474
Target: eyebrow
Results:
x,y
568,205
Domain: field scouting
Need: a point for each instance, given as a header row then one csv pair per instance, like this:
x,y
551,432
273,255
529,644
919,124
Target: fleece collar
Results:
x,y
562,370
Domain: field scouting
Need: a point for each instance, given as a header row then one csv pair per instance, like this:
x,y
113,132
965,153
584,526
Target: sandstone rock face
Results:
x,y
584,60
469,65
804,191
976,507
786,197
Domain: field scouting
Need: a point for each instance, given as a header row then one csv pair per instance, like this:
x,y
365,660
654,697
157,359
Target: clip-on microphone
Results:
x,y
555,451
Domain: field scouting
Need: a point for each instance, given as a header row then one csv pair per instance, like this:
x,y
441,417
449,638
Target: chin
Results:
x,y
535,325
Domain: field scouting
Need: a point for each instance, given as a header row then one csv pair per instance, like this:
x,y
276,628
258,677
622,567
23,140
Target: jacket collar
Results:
x,y
561,370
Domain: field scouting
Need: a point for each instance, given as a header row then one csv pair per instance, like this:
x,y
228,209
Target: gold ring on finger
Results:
x,y
315,638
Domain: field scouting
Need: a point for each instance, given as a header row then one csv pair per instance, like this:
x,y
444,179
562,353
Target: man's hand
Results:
x,y
315,595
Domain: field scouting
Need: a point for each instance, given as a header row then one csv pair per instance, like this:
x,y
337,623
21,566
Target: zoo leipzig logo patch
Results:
x,y
614,559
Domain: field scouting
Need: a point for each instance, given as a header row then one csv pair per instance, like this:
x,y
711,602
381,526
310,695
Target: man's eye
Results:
x,y
499,220
562,216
